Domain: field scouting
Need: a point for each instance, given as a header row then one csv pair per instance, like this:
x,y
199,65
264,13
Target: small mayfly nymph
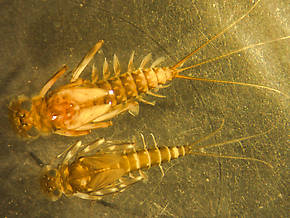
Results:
x,y
107,167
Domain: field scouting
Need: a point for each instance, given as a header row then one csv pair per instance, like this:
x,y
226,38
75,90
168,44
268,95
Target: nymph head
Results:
x,y
50,183
20,117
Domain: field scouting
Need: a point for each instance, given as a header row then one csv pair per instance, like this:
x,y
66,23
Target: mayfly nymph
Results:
x,y
82,105
107,167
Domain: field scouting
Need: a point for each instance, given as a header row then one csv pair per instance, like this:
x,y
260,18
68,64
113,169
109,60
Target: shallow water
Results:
x,y
38,37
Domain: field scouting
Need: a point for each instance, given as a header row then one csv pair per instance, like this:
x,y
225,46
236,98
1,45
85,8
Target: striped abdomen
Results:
x,y
128,86
146,158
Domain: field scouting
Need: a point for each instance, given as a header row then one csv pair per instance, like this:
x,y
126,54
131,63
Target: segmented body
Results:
x,y
106,172
131,85
76,108
82,105
107,167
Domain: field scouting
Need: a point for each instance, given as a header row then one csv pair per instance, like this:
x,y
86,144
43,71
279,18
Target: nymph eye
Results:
x,y
19,114
23,123
56,192
51,173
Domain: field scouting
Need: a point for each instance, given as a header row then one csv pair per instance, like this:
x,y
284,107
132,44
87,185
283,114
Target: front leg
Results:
x,y
70,152
51,81
72,132
79,149
83,130
97,125
73,151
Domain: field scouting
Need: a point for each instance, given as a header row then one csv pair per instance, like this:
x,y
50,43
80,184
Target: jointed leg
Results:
x,y
85,61
50,82
156,146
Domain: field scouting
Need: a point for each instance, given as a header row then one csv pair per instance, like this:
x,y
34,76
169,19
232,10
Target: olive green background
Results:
x,y
38,37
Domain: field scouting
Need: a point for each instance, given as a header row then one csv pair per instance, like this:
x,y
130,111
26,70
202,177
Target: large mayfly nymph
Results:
x,y
82,105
